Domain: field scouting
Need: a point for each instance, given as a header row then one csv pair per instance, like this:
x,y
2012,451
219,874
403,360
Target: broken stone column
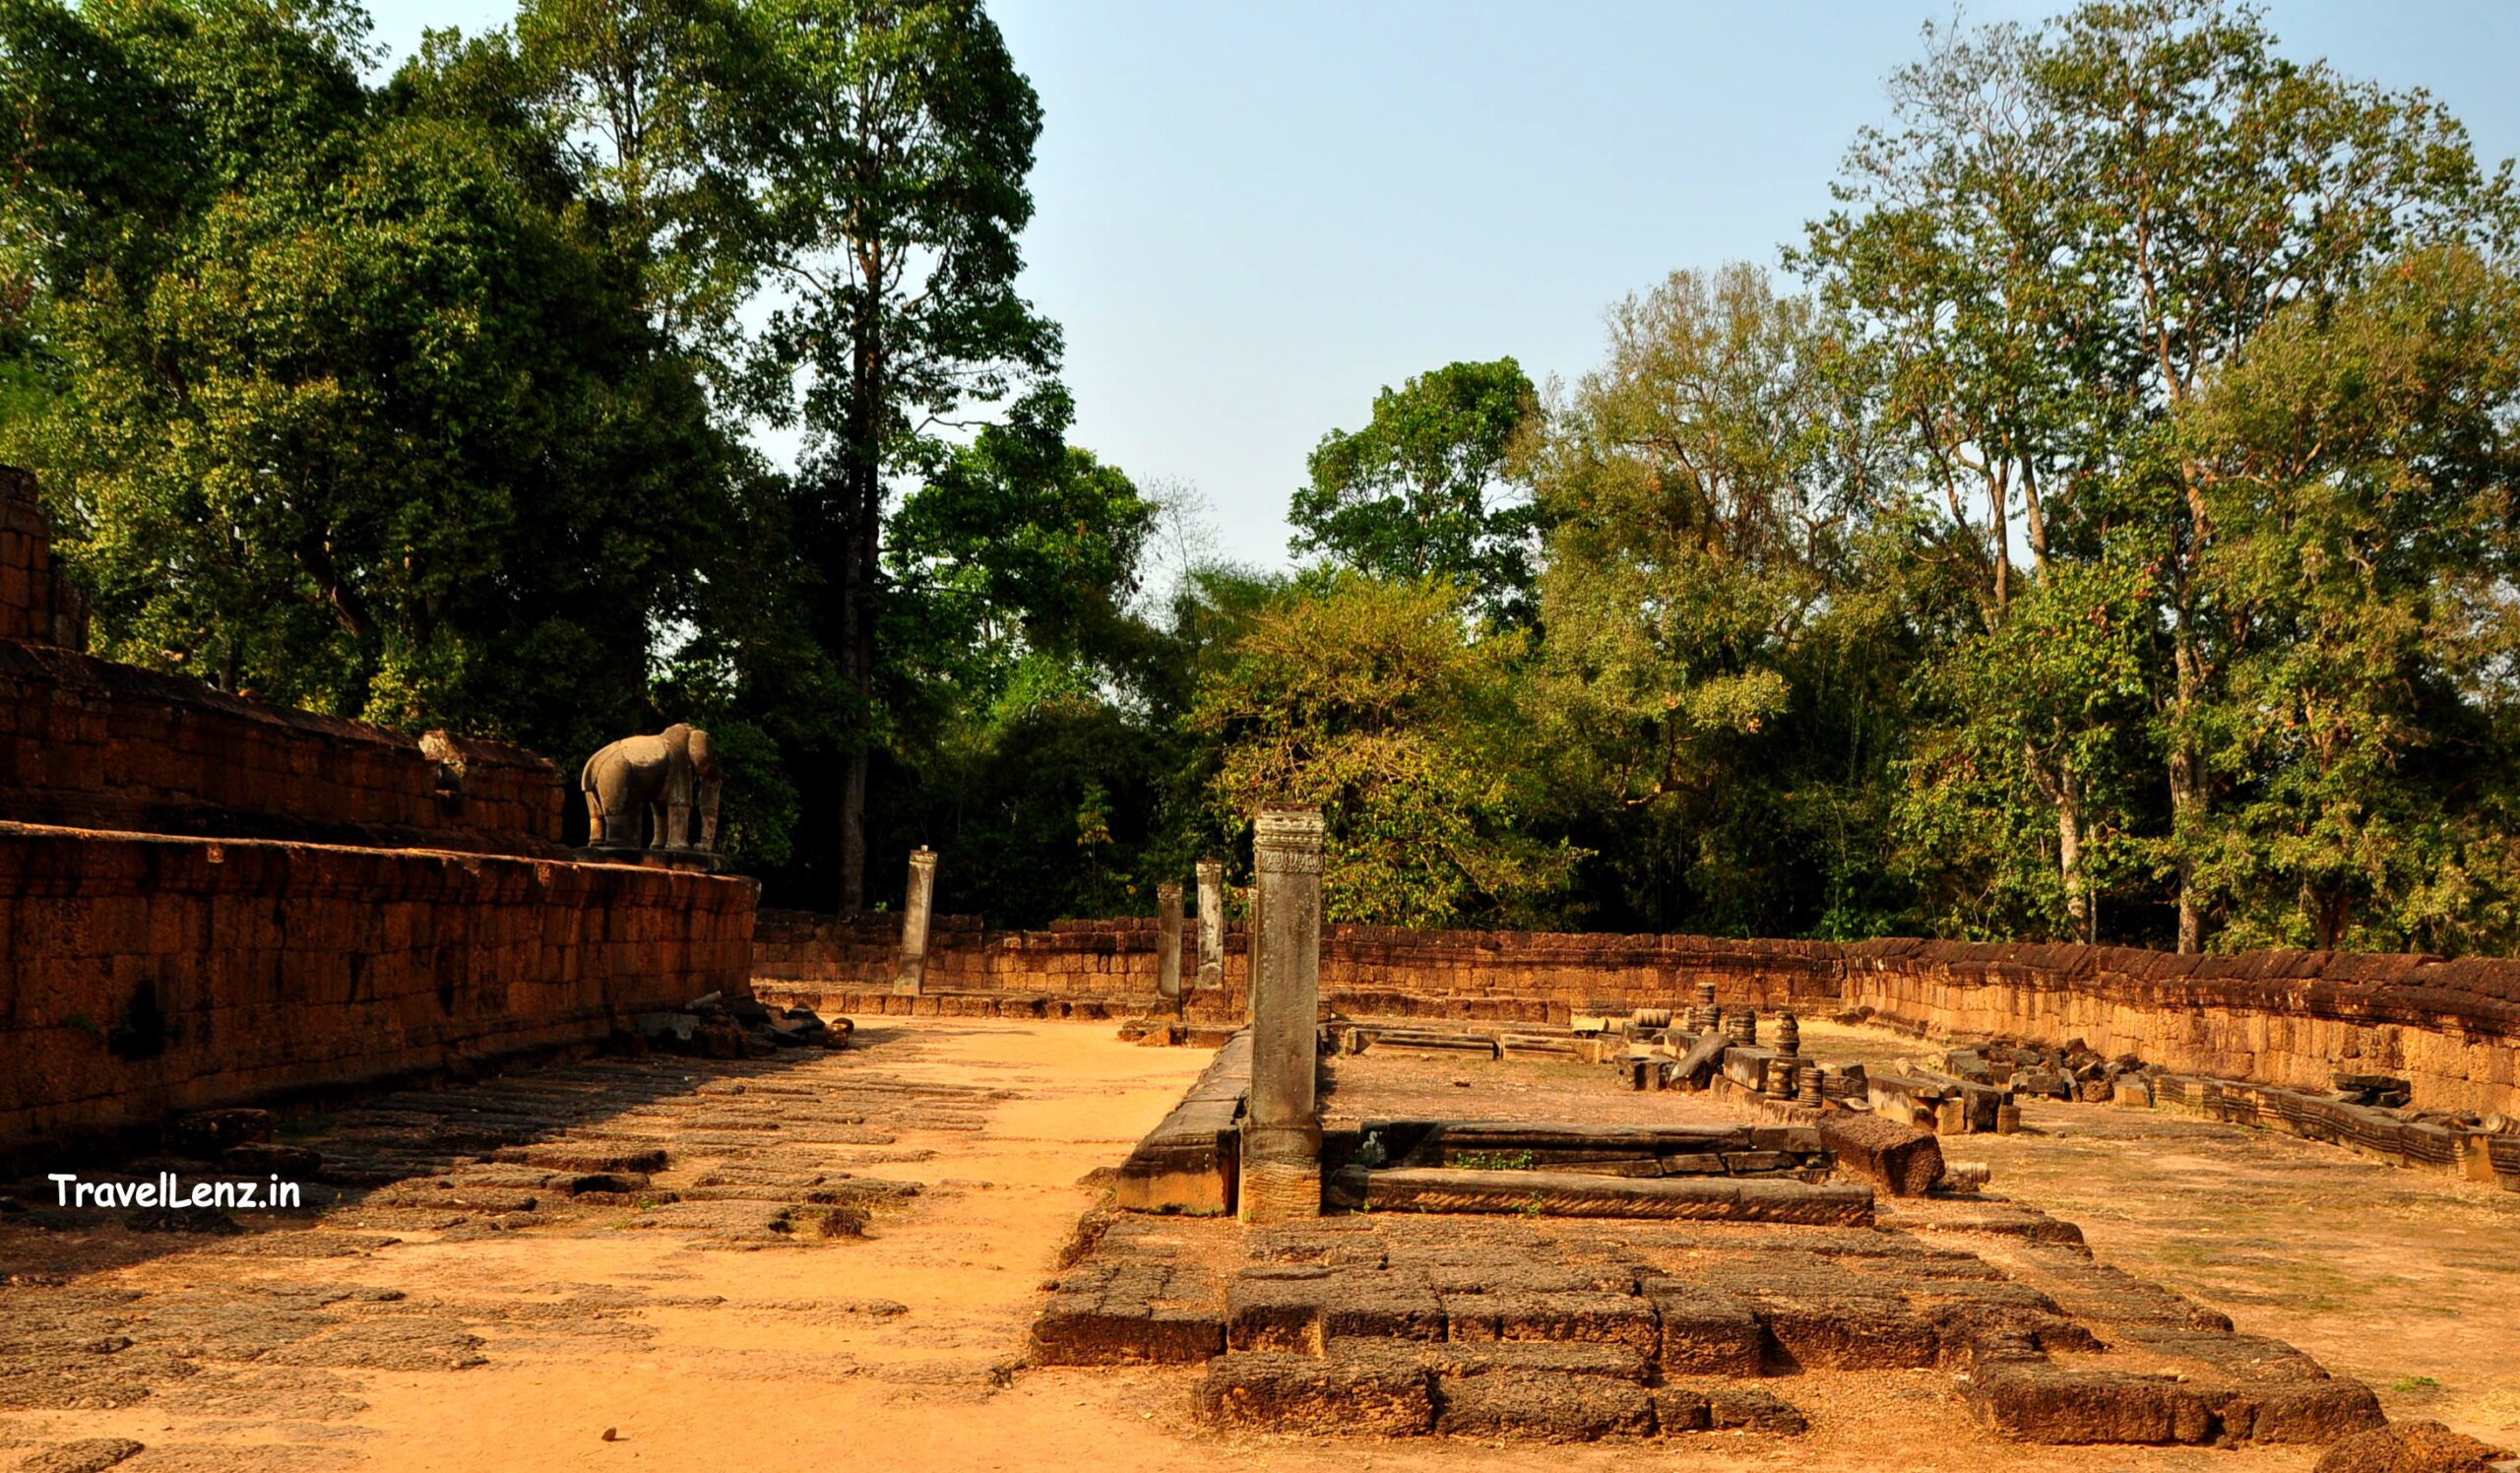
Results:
x,y
1281,1135
1212,923
1167,947
911,976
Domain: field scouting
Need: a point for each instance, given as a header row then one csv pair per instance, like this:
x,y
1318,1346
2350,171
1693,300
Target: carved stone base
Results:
x,y
652,859
1273,1192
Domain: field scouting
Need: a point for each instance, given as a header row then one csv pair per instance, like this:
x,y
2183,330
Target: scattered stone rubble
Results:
x,y
734,1026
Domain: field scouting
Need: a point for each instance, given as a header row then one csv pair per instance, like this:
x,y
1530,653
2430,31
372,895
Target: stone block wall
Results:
x,y
150,974
37,603
1366,970
87,744
2283,1018
206,900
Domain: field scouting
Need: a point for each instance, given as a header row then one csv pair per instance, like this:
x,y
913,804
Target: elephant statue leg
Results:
x,y
709,815
613,783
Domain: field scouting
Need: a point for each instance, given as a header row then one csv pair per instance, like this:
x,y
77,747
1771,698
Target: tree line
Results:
x,y
2097,526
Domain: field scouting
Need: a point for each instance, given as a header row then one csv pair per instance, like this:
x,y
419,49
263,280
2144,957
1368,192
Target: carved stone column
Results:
x,y
911,977
1212,923
1168,948
1282,1136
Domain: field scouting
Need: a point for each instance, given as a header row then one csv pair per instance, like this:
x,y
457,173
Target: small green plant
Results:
x,y
2415,1383
1496,1161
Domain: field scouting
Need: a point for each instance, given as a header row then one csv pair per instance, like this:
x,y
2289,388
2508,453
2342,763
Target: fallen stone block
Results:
x,y
2409,1447
1576,1194
1847,1332
1546,1408
1901,1159
1705,1330
1079,1329
1750,1409
1369,1395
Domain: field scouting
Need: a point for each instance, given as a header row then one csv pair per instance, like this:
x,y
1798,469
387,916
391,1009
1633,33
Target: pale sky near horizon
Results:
x,y
1249,218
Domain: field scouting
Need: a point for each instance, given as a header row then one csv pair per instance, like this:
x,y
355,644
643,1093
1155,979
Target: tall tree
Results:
x,y
1707,487
889,175
2103,212
1426,489
2360,465
344,405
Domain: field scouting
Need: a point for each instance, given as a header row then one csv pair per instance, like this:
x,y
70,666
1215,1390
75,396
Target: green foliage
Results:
x,y
1376,702
1426,489
343,406
1692,699
2356,466
2116,541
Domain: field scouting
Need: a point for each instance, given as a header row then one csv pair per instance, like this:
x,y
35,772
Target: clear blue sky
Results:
x,y
1251,217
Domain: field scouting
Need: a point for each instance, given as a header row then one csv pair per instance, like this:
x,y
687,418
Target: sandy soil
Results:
x,y
901,1349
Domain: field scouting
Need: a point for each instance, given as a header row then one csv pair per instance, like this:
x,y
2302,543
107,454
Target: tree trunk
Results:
x,y
860,554
2070,857
2188,794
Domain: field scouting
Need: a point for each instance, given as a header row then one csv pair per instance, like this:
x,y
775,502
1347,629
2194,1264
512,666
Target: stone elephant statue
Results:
x,y
665,776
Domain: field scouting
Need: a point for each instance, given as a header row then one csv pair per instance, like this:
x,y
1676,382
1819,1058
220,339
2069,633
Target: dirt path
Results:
x,y
889,1350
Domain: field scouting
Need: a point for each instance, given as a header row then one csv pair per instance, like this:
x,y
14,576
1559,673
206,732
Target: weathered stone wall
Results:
x,y
2286,1018
148,974
87,743
206,900
1366,970
35,602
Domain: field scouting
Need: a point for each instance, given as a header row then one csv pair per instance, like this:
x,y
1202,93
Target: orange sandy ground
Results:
x,y
2409,1280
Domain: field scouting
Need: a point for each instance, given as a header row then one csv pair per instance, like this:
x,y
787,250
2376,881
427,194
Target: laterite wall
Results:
x,y
152,973
206,900
1366,970
2289,1018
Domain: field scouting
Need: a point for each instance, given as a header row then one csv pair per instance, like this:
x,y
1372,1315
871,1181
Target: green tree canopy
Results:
x,y
1428,488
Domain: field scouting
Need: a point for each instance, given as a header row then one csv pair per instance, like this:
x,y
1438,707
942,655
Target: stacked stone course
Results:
x,y
2289,1018
85,743
1376,971
206,900
152,974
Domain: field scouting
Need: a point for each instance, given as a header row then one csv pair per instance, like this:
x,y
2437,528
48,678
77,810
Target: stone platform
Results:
x,y
1403,1325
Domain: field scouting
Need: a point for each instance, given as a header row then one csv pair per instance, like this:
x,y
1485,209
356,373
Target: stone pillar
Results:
x,y
911,977
1212,923
1167,947
1282,1136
